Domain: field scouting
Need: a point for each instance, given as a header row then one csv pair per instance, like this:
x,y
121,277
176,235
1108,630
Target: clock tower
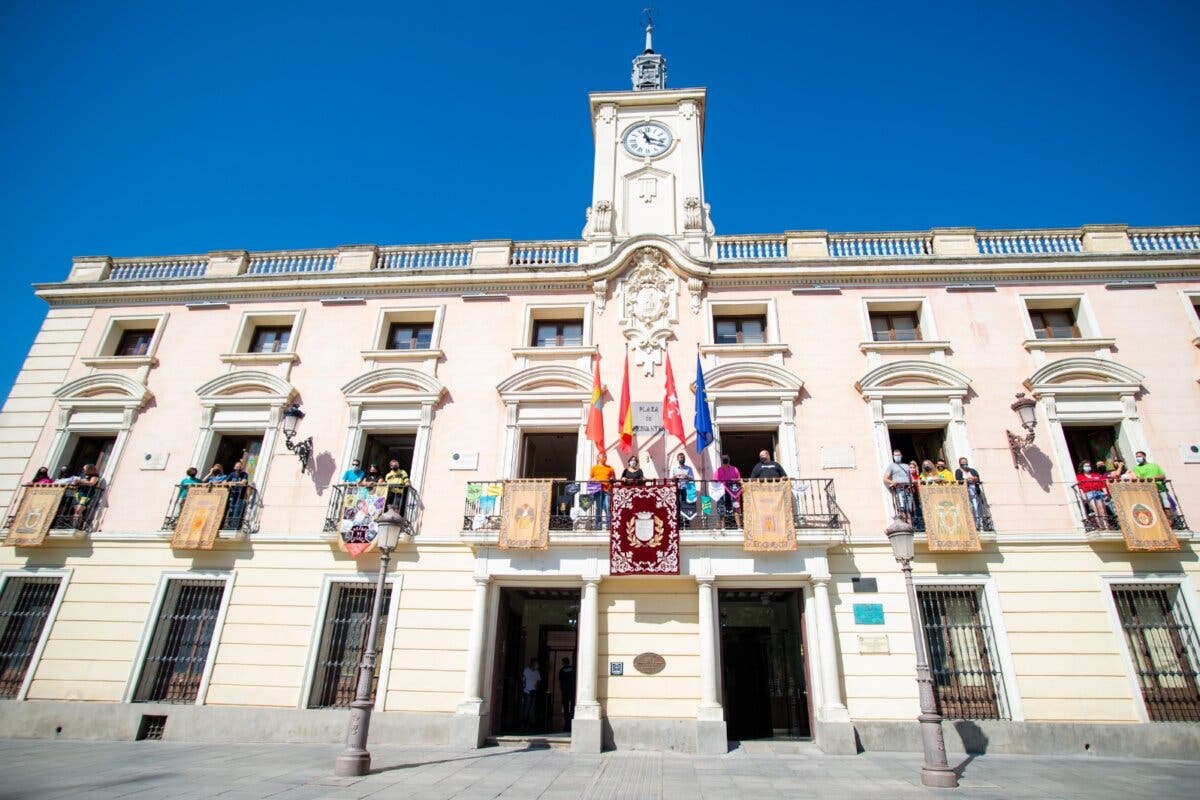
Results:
x,y
648,176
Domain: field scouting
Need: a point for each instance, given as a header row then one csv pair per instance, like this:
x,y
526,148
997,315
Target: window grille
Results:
x,y
1162,644
179,648
966,682
347,621
24,608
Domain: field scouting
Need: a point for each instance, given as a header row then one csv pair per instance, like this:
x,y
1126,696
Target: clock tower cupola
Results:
x,y
648,176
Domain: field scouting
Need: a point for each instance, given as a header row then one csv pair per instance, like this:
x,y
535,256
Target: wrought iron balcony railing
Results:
x,y
404,500
704,505
241,510
906,504
77,511
1099,514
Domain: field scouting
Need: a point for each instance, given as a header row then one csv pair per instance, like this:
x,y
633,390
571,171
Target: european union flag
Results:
x,y
703,420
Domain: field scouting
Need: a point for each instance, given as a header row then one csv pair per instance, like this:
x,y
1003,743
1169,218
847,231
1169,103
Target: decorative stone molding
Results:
x,y
695,288
602,217
600,290
693,214
932,379
649,297
1084,375
687,109
606,112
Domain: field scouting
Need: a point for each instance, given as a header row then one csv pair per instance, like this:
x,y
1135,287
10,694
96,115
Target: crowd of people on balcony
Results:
x,y
904,481
81,491
1093,479
396,480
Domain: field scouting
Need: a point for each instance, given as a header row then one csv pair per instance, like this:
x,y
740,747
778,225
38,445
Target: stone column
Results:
x,y
710,719
585,727
835,733
469,727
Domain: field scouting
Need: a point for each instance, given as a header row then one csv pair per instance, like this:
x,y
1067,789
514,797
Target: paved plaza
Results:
x,y
144,770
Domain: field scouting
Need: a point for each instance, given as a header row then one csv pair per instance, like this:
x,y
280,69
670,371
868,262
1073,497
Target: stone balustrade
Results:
x,y
961,243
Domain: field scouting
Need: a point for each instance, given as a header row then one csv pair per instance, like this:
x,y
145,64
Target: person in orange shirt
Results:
x,y
603,474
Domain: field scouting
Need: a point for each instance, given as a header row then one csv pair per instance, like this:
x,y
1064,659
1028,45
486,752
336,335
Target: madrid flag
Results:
x,y
595,421
625,413
672,419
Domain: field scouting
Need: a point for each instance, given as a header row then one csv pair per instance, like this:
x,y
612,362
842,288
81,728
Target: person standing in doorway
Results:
x,y
355,474
602,474
767,468
899,481
239,482
633,473
531,678
397,484
566,688
684,478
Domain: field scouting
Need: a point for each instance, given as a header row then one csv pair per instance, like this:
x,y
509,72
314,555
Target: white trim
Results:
x,y
394,580
1186,594
929,341
772,348
266,317
64,576
391,314
1003,650
148,629
1191,301
117,325
1085,320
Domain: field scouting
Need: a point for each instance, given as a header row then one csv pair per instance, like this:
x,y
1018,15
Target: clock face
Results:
x,y
647,139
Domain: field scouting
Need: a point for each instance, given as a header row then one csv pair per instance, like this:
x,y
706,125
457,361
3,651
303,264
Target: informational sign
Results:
x,y
616,668
875,644
860,584
647,418
649,663
868,613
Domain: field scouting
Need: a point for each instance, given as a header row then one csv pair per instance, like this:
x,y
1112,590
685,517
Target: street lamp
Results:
x,y
355,759
1026,410
935,771
291,420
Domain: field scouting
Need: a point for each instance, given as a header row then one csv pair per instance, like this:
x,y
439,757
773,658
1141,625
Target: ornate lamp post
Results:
x,y
935,772
291,420
355,759
1026,410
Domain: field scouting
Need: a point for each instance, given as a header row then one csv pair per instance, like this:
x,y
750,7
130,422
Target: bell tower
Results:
x,y
648,174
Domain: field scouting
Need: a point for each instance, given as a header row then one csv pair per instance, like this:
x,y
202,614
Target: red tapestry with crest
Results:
x,y
644,538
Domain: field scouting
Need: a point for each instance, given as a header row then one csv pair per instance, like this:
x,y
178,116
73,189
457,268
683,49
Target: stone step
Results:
x,y
534,741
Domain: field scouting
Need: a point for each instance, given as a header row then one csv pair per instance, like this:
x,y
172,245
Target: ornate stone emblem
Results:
x,y
649,306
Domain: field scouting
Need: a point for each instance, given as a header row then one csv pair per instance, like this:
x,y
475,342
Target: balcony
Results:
x,y
241,511
404,500
906,505
1099,515
704,505
76,514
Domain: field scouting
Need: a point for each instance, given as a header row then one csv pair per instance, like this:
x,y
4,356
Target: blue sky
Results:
x,y
140,128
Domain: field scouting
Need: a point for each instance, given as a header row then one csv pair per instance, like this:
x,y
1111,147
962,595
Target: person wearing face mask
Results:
x,y
928,473
685,478
944,473
1145,470
1092,486
968,475
766,468
899,482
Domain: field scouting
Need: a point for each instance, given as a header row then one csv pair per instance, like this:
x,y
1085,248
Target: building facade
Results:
x,y
472,365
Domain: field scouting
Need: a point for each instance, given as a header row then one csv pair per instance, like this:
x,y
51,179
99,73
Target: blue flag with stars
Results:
x,y
703,420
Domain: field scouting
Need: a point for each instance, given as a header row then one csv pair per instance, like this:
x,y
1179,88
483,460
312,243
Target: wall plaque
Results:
x,y
647,418
864,584
616,668
874,645
649,663
868,613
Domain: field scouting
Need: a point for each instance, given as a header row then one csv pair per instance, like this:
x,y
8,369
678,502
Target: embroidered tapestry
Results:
x,y
525,515
644,538
39,506
361,507
949,524
1141,517
201,517
767,516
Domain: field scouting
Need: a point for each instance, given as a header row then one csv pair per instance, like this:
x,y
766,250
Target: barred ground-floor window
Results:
x,y
1162,645
183,634
343,635
962,652
25,605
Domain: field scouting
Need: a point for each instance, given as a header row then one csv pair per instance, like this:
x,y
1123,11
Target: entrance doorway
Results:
x,y
380,449
1091,443
743,447
763,664
534,624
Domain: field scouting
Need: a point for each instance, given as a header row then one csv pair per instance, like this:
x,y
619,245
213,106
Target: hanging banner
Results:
x,y
39,506
644,538
201,517
361,506
1141,517
767,513
525,515
949,524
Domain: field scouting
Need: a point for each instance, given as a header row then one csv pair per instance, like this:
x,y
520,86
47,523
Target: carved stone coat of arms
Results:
x,y
649,298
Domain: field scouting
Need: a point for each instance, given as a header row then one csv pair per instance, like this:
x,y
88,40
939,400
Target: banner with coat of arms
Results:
x,y
767,514
200,520
1140,515
39,506
361,506
949,523
525,515
644,538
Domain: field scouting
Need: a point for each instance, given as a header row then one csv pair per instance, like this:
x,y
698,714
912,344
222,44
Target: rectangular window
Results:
x,y
1054,323
410,336
183,634
134,342
270,339
24,609
966,680
1162,644
558,333
343,635
740,330
895,326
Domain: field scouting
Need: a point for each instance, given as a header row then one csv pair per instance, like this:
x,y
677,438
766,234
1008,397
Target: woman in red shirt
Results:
x,y
1093,487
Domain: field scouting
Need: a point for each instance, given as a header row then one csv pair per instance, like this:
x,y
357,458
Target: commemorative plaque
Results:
x,y
649,663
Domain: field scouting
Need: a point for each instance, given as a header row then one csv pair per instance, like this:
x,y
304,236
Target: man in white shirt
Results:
x,y
682,472
530,679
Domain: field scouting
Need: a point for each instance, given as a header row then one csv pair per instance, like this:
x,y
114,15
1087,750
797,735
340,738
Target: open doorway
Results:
x,y
381,448
552,455
763,664
743,447
90,450
1093,443
535,625
234,447
919,444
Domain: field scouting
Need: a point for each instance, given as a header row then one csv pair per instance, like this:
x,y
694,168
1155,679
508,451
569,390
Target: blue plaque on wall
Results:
x,y
868,613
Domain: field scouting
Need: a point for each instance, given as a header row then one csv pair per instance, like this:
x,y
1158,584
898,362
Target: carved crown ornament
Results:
x,y
648,296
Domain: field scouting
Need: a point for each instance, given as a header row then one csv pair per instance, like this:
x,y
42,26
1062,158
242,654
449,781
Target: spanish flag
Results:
x,y
595,421
625,413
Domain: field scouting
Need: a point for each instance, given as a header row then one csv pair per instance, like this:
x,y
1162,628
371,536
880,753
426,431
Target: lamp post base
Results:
x,y
354,765
939,777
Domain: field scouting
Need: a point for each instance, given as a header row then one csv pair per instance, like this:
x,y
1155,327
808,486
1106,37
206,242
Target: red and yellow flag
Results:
x,y
625,413
672,419
595,421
